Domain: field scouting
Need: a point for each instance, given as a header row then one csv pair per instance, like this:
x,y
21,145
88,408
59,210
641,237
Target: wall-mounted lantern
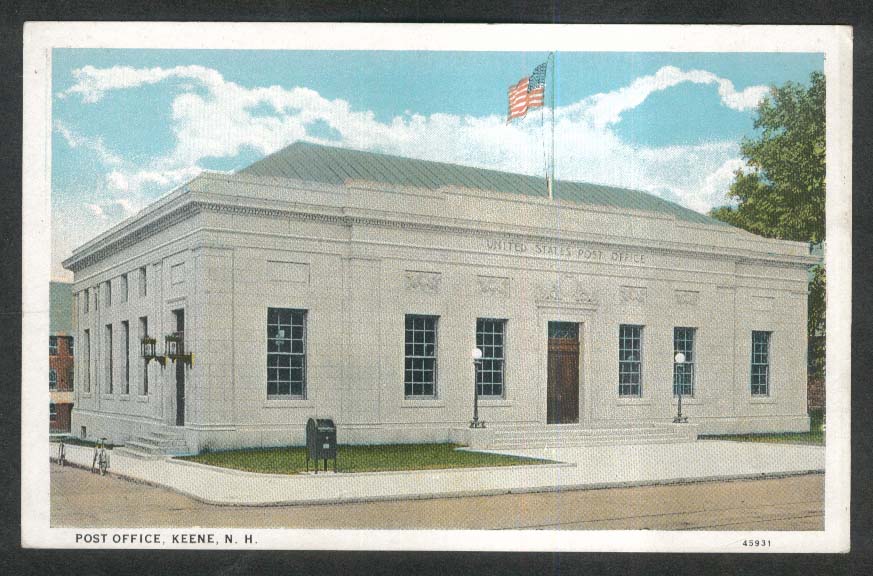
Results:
x,y
175,349
150,352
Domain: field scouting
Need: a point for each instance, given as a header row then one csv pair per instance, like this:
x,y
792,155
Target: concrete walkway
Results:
x,y
579,468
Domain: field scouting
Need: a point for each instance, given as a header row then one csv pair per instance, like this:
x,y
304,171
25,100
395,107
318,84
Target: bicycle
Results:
x,y
101,458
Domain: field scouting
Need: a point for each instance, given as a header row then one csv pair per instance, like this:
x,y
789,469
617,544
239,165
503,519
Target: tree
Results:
x,y
780,193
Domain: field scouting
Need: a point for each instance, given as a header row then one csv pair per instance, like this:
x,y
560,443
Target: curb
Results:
x,y
465,493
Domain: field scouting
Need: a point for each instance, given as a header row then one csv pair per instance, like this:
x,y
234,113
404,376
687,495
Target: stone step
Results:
x,y
163,441
164,434
573,435
143,446
579,433
156,443
134,452
497,426
587,442
582,434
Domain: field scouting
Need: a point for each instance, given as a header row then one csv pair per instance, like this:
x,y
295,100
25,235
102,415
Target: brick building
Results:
x,y
61,351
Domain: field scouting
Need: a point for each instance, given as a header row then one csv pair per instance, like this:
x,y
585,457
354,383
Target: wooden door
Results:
x,y
180,372
563,377
180,393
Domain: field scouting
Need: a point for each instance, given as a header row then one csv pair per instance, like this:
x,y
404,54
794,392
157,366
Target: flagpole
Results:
x,y
554,88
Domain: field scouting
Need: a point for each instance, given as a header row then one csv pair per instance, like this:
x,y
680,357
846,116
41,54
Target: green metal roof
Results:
x,y
60,308
331,165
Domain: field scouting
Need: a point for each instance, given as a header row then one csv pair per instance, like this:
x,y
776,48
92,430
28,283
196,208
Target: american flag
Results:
x,y
528,93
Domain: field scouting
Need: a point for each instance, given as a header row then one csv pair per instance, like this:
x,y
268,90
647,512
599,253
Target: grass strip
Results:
x,y
355,458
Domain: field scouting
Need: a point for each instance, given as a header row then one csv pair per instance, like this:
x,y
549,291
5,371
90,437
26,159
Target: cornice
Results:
x,y
136,232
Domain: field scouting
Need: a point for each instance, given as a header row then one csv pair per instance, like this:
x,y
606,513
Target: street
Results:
x,y
82,499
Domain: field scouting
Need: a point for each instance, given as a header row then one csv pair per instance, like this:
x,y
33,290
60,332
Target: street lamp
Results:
x,y
680,359
477,359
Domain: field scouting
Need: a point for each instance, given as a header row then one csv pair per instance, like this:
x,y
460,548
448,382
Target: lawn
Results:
x,y
372,458
815,435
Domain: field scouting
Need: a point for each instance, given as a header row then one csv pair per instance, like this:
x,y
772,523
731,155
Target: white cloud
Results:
x,y
93,83
75,140
135,180
225,118
715,185
606,108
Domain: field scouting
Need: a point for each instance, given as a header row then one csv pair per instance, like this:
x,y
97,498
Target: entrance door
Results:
x,y
180,372
563,367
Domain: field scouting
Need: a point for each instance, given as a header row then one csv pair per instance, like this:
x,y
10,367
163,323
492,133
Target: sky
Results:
x,y
130,125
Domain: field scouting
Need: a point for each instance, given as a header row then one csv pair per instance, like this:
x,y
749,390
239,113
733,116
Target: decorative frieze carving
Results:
x,y
632,294
493,286
687,297
567,289
427,282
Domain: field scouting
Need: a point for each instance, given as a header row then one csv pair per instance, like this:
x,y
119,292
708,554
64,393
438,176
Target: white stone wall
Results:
x,y
358,260
119,415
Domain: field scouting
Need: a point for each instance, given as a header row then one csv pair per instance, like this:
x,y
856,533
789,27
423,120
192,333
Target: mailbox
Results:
x,y
320,442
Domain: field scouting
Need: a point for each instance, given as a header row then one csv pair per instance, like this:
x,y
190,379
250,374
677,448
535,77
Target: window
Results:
x,y
53,412
420,369
86,360
629,360
123,288
107,293
286,352
87,301
53,379
125,346
107,354
489,371
53,345
70,346
760,363
143,332
143,282
70,374
683,374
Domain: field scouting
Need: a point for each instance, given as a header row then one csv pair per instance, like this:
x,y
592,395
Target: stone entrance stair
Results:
x,y
155,444
571,435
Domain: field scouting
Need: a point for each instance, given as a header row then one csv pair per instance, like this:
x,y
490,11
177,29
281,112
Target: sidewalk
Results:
x,y
579,468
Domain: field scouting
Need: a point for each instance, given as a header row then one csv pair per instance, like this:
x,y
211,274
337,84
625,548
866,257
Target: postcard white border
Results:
x,y
835,42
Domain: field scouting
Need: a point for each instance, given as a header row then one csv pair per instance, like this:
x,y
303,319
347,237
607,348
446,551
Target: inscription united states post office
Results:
x,y
565,251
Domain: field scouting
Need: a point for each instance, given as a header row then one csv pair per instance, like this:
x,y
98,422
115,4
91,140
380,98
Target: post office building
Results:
x,y
334,283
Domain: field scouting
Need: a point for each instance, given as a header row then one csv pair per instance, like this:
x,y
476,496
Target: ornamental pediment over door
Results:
x,y
567,289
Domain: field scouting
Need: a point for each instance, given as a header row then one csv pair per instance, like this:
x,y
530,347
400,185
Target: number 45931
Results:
x,y
757,543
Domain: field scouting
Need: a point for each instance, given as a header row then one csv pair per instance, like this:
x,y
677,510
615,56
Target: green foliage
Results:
x,y
816,317
780,193
371,458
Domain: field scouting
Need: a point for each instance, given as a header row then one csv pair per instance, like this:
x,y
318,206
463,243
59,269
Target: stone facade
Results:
x,y
359,257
